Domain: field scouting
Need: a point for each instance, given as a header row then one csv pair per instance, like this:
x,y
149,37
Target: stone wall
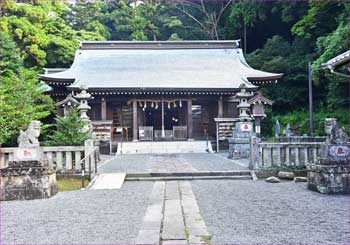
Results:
x,y
27,180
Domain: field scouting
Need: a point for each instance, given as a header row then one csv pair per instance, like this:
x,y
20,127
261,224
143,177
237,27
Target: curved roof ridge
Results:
x,y
189,44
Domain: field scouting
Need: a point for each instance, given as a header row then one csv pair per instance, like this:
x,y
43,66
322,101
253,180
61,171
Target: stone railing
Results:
x,y
65,159
288,154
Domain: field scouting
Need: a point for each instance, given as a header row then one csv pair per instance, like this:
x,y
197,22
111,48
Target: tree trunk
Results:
x,y
245,37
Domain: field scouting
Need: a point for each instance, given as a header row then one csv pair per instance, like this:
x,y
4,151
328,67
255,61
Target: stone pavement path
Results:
x,y
173,216
171,163
108,181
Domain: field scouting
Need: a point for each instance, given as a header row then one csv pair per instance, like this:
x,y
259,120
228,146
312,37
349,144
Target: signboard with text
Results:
x,y
27,154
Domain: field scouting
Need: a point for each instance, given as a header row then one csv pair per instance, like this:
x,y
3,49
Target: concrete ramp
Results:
x,y
108,181
164,147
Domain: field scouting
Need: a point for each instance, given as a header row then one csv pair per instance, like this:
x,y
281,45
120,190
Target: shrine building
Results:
x,y
160,90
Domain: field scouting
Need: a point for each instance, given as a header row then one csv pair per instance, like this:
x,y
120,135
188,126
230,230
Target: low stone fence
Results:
x,y
288,154
65,159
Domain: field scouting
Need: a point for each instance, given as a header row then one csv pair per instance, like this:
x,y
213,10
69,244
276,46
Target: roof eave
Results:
x,y
56,79
272,77
143,89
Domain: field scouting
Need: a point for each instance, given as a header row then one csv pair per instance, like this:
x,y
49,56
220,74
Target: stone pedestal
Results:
x,y
26,180
239,144
331,174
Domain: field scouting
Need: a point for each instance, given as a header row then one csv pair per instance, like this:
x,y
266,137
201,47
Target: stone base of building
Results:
x,y
27,180
329,179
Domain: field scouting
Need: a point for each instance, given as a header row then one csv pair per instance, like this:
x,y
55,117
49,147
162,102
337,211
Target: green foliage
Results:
x,y
302,118
247,13
278,55
41,33
21,95
11,60
147,21
69,130
22,101
319,20
89,16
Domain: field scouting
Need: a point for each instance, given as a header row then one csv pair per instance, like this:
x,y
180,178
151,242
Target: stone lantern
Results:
x,y
243,105
67,103
239,143
83,108
258,104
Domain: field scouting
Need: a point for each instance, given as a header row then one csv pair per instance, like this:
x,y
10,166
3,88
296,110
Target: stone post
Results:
x,y
257,126
88,148
254,153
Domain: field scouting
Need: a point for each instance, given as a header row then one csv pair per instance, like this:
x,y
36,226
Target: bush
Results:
x,y
69,130
302,118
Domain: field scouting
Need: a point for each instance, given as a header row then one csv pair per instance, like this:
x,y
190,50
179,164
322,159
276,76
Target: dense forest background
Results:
x,y
277,36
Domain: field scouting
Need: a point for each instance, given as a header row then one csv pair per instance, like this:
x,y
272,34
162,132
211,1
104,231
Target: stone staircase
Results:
x,y
164,147
198,175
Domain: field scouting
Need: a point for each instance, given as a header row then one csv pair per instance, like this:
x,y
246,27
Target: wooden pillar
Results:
x,y
103,109
189,120
220,107
134,121
163,129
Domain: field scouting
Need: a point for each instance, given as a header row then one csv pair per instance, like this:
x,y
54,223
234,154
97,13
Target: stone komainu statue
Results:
x,y
335,134
29,137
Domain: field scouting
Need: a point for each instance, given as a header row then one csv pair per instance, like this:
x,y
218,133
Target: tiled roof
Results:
x,y
178,65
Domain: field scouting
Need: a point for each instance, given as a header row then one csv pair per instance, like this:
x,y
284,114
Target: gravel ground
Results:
x,y
259,212
145,163
84,217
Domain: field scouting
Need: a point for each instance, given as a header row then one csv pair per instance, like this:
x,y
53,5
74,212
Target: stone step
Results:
x,y
186,174
200,175
241,177
166,147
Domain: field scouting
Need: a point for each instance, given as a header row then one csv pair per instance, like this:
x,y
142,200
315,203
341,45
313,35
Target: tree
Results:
x,y
280,56
41,34
320,19
89,16
21,95
206,15
245,14
69,130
